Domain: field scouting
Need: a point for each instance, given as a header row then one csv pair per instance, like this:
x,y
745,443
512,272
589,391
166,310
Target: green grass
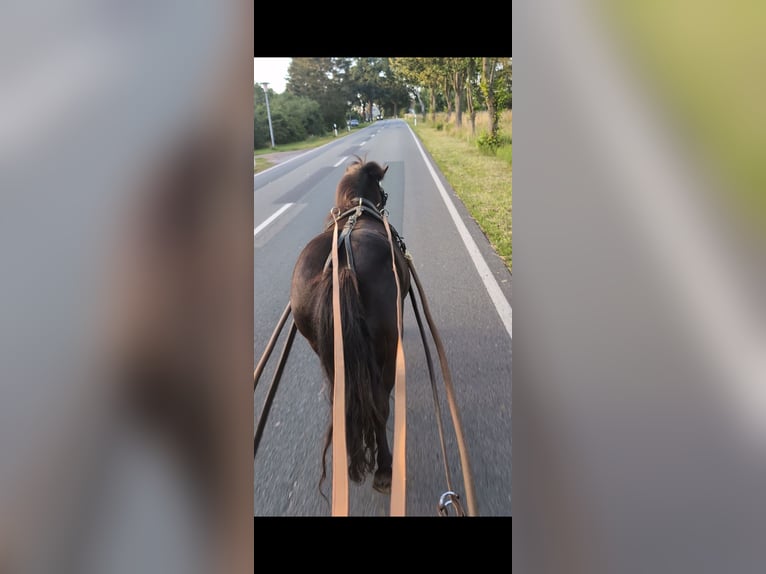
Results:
x,y
261,164
506,153
483,182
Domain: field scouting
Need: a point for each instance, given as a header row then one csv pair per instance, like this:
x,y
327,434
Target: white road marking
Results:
x,y
364,142
495,293
345,157
273,216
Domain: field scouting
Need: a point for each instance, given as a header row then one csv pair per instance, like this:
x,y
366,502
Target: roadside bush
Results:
x,y
488,144
293,119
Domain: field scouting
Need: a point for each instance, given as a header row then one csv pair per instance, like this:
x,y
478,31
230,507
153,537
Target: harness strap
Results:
x,y
347,246
273,388
431,376
399,467
345,237
364,206
339,450
449,499
270,346
462,450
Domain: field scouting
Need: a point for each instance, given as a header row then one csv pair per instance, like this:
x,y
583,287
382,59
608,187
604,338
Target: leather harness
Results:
x,y
450,499
339,453
364,206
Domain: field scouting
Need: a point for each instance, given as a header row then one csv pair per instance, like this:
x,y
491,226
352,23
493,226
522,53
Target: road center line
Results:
x,y
495,293
271,218
344,158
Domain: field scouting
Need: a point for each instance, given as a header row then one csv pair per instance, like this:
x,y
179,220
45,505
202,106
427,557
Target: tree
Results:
x,y
367,79
471,88
424,73
293,118
447,92
322,80
505,83
495,87
394,92
457,73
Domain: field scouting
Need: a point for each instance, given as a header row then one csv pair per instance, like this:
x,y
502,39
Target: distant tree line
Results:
x,y
325,92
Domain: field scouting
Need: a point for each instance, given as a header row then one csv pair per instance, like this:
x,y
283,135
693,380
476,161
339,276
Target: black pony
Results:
x,y
368,295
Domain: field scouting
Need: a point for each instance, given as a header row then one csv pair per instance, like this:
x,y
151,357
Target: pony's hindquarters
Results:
x,y
368,300
363,374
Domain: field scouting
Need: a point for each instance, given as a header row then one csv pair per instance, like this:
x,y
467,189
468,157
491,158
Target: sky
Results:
x,y
272,70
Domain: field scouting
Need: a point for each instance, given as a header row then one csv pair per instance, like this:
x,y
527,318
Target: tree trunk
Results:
x,y
458,79
458,108
448,100
433,106
422,107
469,95
488,81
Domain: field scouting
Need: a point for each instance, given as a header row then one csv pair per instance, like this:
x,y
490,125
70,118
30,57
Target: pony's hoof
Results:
x,y
382,481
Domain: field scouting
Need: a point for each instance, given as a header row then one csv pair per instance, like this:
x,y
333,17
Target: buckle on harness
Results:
x,y
448,499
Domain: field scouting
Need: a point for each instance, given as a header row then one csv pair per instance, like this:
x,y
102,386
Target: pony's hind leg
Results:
x,y
382,479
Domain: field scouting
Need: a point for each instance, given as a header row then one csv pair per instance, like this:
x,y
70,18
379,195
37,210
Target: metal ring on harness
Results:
x,y
447,499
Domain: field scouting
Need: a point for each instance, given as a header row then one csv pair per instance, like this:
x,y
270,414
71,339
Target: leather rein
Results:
x,y
339,453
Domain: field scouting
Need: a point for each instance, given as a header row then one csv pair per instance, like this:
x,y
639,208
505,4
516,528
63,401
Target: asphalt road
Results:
x,y
291,202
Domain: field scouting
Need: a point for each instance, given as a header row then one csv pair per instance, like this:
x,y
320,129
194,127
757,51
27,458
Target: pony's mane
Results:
x,y
361,179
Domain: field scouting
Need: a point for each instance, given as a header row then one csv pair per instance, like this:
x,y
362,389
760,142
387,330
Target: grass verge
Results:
x,y
307,144
482,182
261,161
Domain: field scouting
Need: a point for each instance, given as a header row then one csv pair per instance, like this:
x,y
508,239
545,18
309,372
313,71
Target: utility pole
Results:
x,y
265,85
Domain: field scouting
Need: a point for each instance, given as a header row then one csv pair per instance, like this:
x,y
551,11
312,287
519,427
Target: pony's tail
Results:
x,y
363,375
